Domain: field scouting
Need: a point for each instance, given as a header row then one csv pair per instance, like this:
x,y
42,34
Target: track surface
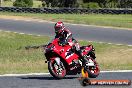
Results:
x,y
46,81
90,33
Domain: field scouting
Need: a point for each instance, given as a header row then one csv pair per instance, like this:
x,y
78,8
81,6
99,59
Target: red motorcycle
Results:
x,y
62,60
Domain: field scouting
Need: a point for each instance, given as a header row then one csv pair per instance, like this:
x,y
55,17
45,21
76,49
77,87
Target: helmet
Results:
x,y
59,26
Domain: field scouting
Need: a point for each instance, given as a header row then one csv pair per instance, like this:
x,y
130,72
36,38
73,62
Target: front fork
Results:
x,y
57,60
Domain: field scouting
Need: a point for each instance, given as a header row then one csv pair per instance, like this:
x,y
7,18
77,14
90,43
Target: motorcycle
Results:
x,y
62,60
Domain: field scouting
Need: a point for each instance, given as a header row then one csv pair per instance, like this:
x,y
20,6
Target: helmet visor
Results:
x,y
57,29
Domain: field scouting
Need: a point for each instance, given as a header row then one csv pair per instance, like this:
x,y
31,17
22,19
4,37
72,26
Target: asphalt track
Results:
x,y
46,81
90,33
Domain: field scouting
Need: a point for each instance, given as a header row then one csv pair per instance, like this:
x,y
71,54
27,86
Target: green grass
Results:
x,y
124,21
12,60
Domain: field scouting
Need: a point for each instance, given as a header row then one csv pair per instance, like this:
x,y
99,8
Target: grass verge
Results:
x,y
109,57
124,21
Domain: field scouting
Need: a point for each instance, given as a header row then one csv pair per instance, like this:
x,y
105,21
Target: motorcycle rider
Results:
x,y
65,37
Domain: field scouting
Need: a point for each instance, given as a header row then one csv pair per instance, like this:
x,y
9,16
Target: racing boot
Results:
x,y
82,57
86,61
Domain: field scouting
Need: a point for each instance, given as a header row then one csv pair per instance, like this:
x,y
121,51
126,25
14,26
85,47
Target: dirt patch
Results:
x,y
12,17
19,18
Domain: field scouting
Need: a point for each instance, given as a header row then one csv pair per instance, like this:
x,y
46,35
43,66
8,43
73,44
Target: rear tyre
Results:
x,y
93,72
57,71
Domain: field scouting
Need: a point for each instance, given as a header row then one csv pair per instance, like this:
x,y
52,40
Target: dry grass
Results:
x,y
116,57
21,61
23,67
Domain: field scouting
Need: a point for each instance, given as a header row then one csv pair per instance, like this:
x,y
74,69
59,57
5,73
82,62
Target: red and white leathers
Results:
x,y
65,37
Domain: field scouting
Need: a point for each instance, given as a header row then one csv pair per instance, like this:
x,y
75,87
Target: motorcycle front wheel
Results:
x,y
57,71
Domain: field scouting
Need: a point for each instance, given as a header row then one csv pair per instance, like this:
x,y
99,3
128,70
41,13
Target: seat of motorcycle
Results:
x,y
82,47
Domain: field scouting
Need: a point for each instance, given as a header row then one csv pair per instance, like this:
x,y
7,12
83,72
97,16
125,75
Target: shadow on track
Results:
x,y
45,78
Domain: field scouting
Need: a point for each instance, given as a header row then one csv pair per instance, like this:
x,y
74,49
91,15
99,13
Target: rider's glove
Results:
x,y
62,43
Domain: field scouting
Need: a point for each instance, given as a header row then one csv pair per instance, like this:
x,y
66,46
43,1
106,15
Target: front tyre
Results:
x,y
57,71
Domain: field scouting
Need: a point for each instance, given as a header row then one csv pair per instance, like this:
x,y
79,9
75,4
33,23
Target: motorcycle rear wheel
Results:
x,y
57,71
93,73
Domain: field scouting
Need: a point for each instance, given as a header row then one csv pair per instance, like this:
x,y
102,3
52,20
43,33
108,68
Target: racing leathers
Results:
x,y
65,36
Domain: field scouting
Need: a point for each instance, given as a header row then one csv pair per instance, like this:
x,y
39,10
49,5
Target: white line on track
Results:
x,y
27,20
119,44
16,19
15,32
41,21
101,42
109,43
6,31
117,71
38,35
29,34
22,33
30,74
129,45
